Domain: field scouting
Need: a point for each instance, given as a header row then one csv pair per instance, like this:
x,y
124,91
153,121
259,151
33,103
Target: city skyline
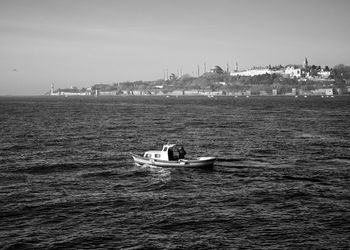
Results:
x,y
81,42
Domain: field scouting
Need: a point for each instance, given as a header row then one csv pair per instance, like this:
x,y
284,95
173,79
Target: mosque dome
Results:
x,y
217,69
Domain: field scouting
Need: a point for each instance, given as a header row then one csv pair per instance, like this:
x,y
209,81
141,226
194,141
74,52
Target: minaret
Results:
x,y
306,63
52,88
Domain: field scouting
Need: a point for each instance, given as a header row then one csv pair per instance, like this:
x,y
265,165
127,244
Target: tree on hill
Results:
x,y
341,75
342,70
213,77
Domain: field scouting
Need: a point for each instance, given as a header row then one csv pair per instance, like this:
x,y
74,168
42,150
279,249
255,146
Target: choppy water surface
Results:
x,y
281,180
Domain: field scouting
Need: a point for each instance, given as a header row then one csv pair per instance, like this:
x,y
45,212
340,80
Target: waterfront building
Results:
x,y
237,93
176,92
324,91
108,93
247,93
191,92
73,92
263,93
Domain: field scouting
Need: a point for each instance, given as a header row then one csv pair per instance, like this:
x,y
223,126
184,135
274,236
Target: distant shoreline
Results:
x,y
169,96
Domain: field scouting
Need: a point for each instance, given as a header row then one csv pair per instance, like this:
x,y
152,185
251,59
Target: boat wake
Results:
x,y
228,159
157,174
241,163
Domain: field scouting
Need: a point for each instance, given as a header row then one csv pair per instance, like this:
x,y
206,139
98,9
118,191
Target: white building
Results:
x,y
256,72
324,74
327,91
176,93
69,93
252,72
293,72
107,93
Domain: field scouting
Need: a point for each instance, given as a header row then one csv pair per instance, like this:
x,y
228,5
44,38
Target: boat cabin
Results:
x,y
170,152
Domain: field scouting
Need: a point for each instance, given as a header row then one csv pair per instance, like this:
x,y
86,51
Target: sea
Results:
x,y
281,179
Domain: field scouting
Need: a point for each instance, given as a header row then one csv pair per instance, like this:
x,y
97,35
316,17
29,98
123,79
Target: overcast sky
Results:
x,y
84,42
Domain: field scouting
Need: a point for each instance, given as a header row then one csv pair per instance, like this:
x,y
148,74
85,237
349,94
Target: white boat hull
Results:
x,y
201,162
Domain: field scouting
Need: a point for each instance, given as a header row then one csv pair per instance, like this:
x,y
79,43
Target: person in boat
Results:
x,y
182,152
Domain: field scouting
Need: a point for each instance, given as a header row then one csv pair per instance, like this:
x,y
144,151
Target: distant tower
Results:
x,y
236,69
52,88
227,68
306,63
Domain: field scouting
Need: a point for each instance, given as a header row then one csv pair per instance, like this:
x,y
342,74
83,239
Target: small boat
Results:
x,y
172,155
